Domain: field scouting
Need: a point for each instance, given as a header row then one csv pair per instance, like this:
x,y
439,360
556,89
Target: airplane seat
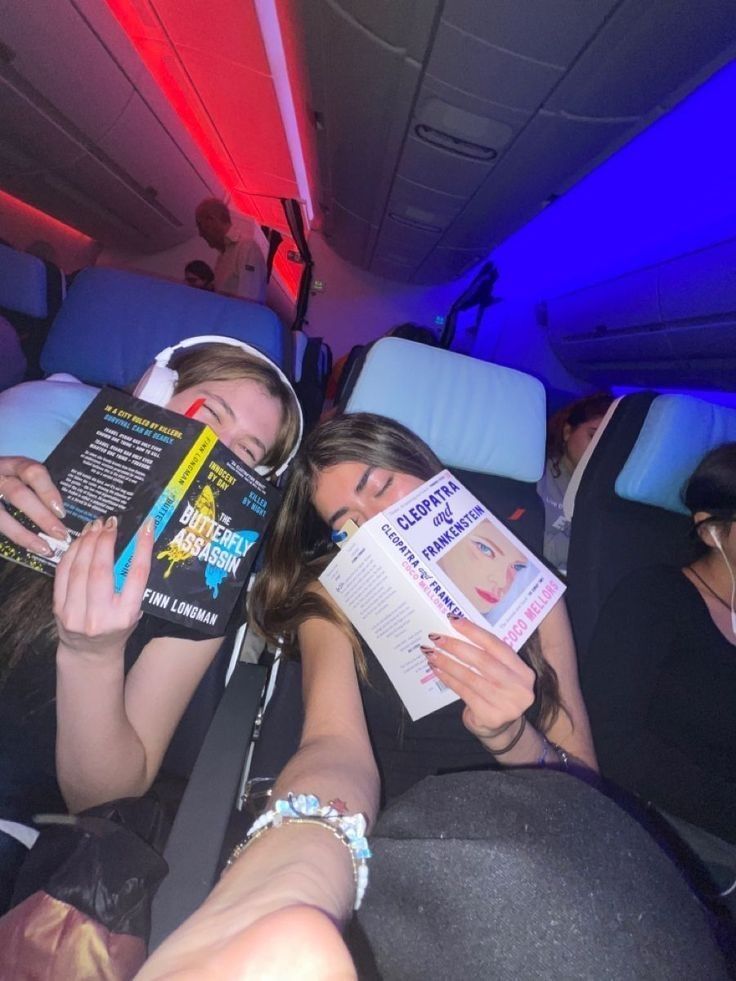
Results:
x,y
312,367
31,292
114,322
627,511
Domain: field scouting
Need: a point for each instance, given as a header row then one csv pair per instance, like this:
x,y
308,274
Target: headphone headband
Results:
x,y
161,366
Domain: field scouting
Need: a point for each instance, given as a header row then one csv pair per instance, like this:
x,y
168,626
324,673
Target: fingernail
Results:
x,y
84,530
434,637
96,525
58,508
149,526
426,650
61,533
111,522
454,616
44,549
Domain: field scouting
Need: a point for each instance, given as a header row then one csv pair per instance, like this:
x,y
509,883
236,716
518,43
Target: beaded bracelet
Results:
x,y
306,809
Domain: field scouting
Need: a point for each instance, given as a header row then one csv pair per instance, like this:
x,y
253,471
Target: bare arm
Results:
x,y
112,732
295,866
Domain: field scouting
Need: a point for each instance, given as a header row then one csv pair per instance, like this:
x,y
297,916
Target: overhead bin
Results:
x,y
659,325
87,138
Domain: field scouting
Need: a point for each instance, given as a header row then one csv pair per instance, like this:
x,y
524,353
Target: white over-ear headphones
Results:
x,y
159,382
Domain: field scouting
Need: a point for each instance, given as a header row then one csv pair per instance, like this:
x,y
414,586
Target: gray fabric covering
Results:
x,y
522,875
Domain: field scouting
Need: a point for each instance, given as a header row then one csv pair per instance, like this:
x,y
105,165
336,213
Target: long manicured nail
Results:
x,y
58,508
44,549
148,526
84,530
59,532
97,525
111,522
426,650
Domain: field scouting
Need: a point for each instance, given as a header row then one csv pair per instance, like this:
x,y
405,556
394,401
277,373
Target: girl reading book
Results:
x,y
90,690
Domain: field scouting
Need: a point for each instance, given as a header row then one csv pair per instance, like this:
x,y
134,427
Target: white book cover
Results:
x,y
437,551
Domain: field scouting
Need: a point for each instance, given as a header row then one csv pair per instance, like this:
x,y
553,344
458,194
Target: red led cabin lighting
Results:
x,y
41,220
151,37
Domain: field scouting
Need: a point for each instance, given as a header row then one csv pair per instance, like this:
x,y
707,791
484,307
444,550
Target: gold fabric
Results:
x,y
43,939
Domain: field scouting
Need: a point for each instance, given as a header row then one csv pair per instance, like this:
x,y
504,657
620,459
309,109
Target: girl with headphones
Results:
x,y
91,690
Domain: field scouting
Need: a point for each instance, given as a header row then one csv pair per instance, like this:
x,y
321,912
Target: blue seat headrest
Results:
x,y
35,415
113,323
474,415
677,433
22,283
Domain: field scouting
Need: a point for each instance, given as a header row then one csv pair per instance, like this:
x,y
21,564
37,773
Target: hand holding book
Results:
x,y
27,485
91,617
493,681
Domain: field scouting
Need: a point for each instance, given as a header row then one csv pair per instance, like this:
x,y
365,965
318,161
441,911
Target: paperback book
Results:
x,y
437,551
129,458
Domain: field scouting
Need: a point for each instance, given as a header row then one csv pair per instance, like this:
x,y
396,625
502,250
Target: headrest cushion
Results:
x,y
113,323
677,433
34,416
474,415
22,283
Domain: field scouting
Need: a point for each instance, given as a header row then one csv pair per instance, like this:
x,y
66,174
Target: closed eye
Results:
x,y
212,411
385,487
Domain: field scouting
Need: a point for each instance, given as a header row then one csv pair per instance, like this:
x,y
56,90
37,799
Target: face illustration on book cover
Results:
x,y
488,569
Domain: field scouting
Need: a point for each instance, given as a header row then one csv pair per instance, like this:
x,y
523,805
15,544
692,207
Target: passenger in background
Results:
x,y
199,275
240,269
91,691
569,431
660,676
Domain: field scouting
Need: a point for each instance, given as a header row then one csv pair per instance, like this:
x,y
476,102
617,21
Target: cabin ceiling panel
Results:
x,y
56,56
399,23
647,52
349,235
242,106
226,31
164,174
550,88
362,92
532,171
551,31
472,65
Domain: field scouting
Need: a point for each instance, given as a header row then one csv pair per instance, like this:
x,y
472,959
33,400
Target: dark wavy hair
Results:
x,y
712,488
300,546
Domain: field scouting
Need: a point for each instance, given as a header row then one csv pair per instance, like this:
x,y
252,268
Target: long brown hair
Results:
x,y
300,544
26,614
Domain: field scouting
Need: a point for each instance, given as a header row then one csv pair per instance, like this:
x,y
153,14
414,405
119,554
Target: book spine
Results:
x,y
170,497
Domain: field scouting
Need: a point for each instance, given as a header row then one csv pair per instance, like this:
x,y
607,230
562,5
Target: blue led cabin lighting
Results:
x,y
671,190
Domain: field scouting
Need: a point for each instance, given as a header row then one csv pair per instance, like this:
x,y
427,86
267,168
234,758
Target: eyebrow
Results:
x,y
226,406
360,486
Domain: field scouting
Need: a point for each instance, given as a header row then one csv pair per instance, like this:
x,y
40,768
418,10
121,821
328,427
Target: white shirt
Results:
x,y
241,269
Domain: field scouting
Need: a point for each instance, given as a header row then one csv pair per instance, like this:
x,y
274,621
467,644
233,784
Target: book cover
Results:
x,y
437,551
136,460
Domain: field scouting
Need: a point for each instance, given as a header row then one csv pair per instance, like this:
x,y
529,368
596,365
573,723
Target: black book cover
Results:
x,y
136,460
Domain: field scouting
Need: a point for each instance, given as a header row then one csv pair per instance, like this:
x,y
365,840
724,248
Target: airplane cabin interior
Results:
x,y
473,217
